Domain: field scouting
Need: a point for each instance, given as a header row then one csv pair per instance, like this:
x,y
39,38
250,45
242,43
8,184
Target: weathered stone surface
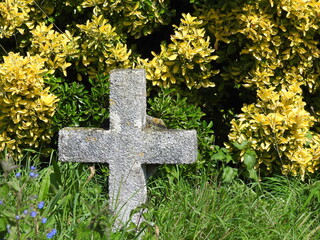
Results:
x,y
130,144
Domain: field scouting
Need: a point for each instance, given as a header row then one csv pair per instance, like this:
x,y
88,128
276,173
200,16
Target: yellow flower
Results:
x,y
26,107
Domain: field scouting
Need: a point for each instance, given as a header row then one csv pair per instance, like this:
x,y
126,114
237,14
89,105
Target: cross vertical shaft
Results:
x,y
128,116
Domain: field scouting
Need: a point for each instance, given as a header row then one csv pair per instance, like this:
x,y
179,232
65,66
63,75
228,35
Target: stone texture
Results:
x,y
133,142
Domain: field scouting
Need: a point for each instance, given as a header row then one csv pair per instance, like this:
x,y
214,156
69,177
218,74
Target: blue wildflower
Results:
x,y
33,174
33,168
25,212
44,220
18,174
33,214
41,204
52,233
1,202
17,217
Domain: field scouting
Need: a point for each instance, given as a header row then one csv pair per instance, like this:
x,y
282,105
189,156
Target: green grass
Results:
x,y
277,208
178,208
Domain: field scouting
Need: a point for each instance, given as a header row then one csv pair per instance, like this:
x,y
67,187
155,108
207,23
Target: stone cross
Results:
x,y
129,146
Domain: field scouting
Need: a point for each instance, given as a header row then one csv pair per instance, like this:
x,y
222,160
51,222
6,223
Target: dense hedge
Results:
x,y
251,67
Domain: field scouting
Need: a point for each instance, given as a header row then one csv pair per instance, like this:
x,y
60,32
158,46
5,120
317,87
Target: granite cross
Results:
x,y
129,146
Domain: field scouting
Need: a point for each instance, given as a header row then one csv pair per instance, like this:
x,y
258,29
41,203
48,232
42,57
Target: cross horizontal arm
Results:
x,y
84,144
170,147
152,147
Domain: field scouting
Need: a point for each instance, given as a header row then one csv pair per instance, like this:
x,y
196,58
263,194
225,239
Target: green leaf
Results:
x,y
51,20
4,190
309,135
219,156
242,145
210,125
14,185
45,185
253,174
229,174
249,159
3,224
9,213
229,158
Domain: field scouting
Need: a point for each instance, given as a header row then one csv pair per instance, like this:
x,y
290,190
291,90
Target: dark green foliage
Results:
x,y
177,113
79,105
247,169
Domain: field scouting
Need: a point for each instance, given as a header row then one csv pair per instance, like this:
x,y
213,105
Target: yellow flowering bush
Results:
x,y
270,46
282,45
26,106
13,13
186,60
136,18
53,47
279,131
273,38
102,49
